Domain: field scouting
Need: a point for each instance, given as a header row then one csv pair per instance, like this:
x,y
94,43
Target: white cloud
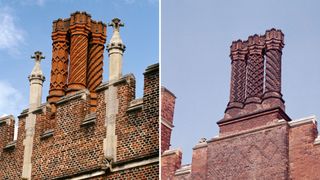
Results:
x,y
10,99
11,36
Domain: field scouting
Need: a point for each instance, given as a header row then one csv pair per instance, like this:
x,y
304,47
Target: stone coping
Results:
x,y
281,122
79,94
105,85
171,152
167,123
152,68
168,91
6,119
185,169
200,145
10,145
305,120
136,104
47,134
89,119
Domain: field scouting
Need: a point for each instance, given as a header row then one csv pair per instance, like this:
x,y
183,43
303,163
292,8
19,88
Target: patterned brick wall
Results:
x,y
167,112
65,147
170,162
260,154
11,159
304,154
138,130
73,148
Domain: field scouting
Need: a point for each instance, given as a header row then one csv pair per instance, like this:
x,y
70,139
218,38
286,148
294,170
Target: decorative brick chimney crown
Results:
x,y
255,76
77,56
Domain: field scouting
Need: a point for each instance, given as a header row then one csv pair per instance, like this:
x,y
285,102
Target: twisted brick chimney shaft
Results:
x,y
77,56
256,73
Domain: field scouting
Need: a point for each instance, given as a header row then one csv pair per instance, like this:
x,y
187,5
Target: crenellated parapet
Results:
x,y
6,133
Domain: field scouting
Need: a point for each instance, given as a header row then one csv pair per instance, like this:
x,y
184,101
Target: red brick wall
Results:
x,y
73,148
167,112
261,154
170,162
138,131
11,160
199,163
303,154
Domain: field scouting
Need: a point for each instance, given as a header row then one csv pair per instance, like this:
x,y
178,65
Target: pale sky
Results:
x,y
26,26
196,39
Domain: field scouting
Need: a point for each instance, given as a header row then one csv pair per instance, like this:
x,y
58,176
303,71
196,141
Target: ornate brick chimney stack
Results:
x,y
80,26
60,54
255,83
95,61
116,49
77,57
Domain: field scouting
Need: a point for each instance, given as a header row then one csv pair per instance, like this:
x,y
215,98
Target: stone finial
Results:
x,y
116,41
36,72
115,49
202,140
116,24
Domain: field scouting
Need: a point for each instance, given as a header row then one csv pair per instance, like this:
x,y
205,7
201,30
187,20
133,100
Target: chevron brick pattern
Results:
x,y
255,76
59,70
238,76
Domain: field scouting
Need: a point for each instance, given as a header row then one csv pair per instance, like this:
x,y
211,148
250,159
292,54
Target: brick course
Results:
x,y
257,139
69,136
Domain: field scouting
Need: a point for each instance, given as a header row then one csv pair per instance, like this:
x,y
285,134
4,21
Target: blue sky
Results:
x,y
196,36
26,25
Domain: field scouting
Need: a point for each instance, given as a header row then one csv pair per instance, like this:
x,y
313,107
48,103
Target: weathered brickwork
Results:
x,y
304,151
11,159
262,154
170,162
257,139
70,130
167,112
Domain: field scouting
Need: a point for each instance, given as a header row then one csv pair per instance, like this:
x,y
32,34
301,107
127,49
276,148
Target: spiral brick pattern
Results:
x,y
95,66
273,71
78,62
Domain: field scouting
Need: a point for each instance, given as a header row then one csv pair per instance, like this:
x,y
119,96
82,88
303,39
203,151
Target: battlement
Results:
x,y
74,125
95,130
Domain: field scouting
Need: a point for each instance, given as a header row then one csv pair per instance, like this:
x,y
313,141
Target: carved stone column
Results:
x,y
80,24
95,64
238,74
255,69
59,70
